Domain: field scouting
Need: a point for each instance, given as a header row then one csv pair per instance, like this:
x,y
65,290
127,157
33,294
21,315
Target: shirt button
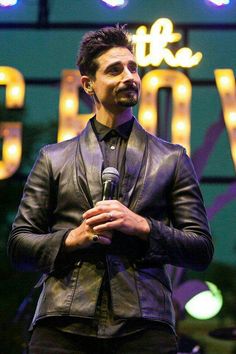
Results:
x,y
113,147
100,265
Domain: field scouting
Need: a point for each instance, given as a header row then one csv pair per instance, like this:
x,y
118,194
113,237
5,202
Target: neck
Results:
x,y
113,119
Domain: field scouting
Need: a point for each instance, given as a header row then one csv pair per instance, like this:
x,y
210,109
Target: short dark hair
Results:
x,y
98,42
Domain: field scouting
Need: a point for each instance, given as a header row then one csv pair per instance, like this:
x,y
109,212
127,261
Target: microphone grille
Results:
x,y
110,174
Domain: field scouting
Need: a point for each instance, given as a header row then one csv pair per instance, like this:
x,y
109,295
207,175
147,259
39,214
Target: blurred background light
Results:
x,y
219,2
206,304
5,3
115,3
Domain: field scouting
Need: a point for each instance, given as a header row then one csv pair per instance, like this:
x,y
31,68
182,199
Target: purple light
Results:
x,y
6,3
220,2
115,3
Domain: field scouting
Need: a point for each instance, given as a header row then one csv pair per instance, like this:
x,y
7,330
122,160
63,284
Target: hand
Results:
x,y
109,215
82,237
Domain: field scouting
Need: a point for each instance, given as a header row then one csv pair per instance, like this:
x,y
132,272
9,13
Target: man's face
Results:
x,y
117,83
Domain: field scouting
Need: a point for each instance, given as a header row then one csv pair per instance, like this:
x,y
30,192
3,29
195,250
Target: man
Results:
x,y
105,287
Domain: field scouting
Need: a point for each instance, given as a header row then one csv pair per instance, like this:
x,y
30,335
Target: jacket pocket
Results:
x,y
58,291
154,295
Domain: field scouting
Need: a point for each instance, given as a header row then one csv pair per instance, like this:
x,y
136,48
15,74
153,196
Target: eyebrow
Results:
x,y
119,62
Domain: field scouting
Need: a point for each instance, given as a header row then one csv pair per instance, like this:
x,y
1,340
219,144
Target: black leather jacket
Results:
x,y
159,184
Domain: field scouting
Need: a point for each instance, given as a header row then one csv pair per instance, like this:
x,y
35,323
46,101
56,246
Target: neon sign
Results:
x,y
225,82
181,96
11,133
161,34
71,123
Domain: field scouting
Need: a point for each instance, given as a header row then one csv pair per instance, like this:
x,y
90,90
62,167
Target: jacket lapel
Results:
x,y
134,162
93,161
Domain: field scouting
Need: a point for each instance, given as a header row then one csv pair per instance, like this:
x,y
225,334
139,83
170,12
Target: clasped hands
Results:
x,y
105,217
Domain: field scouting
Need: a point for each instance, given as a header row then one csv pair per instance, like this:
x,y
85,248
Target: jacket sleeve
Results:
x,y
186,242
32,245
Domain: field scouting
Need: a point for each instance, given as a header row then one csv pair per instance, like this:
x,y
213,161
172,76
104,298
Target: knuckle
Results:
x,y
99,208
122,216
86,227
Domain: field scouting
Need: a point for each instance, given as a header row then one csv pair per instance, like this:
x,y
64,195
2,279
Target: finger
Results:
x,y
107,226
99,219
104,240
89,213
107,234
109,202
93,212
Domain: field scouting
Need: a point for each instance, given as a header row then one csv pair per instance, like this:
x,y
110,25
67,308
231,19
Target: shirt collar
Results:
x,y
102,131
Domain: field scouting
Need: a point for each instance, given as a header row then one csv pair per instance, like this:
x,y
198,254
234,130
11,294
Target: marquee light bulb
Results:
x,y
115,3
182,90
69,103
180,126
148,115
232,117
224,80
154,81
66,134
15,91
12,149
2,76
5,3
219,2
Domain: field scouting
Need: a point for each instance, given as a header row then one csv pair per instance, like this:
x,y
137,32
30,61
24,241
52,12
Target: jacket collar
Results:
x,y
93,161
102,131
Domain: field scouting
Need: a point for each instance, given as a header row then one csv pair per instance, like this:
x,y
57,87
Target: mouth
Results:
x,y
128,89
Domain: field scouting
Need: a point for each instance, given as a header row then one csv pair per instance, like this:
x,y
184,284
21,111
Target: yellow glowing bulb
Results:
x,y
2,77
232,117
148,115
154,81
70,78
69,103
12,149
3,172
15,91
182,90
180,126
224,80
66,134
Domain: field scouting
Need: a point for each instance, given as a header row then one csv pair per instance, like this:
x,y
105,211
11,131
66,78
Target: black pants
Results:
x,y
47,340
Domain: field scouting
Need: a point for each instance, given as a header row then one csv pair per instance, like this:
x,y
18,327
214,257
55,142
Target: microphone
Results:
x,y
110,179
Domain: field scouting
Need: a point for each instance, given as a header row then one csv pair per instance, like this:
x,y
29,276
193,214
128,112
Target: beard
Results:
x,y
128,102
127,98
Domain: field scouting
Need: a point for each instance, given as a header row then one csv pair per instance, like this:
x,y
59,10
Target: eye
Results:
x,y
114,70
133,67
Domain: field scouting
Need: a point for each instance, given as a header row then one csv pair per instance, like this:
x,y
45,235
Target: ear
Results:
x,y
87,85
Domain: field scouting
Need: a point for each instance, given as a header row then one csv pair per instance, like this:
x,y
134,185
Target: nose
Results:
x,y
127,75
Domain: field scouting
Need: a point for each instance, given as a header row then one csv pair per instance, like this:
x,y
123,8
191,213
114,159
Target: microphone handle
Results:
x,y
108,190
